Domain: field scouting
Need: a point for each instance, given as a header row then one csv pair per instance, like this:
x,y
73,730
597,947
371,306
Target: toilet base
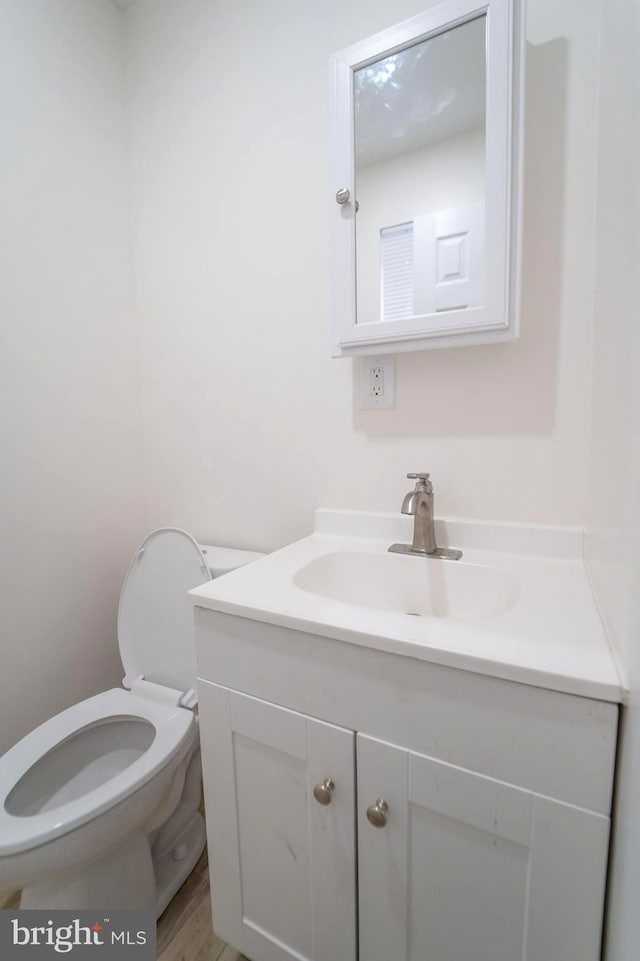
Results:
x,y
175,865
122,879
128,877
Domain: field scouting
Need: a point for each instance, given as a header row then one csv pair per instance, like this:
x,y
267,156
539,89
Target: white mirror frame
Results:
x,y
498,319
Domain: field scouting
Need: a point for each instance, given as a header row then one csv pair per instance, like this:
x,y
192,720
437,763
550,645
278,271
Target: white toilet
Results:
x,y
99,805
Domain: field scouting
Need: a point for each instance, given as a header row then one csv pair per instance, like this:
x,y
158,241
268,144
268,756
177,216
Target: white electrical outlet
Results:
x,y
378,382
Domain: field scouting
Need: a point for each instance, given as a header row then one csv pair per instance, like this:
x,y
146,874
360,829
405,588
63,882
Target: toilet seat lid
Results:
x,y
155,619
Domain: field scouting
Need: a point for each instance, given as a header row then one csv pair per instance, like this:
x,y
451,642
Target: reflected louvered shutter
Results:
x,y
396,256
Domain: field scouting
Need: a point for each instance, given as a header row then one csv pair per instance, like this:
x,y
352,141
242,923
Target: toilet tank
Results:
x,y
221,560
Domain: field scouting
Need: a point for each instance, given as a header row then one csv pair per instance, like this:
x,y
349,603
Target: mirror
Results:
x,y
419,126
425,181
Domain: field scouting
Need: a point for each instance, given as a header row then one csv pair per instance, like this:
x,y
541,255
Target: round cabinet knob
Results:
x,y
377,813
323,793
343,195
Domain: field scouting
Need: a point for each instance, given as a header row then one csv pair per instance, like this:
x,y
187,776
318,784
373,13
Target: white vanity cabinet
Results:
x,y
467,868
282,864
469,816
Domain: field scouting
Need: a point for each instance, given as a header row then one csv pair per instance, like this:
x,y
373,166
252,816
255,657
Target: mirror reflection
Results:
x,y
420,177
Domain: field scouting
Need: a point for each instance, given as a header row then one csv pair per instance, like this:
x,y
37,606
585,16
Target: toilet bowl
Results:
x,y
99,806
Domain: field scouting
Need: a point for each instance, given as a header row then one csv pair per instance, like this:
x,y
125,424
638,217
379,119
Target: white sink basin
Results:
x,y
419,586
518,606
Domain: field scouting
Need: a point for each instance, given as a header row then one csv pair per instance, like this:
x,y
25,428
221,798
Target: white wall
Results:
x,y
71,478
613,541
442,176
249,424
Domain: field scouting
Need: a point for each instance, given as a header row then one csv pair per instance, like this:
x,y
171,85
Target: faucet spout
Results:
x,y
410,503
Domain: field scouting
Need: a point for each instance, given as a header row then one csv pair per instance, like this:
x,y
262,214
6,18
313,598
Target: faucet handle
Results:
x,y
423,482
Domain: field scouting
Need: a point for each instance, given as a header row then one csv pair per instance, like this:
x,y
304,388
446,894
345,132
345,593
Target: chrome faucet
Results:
x,y
419,504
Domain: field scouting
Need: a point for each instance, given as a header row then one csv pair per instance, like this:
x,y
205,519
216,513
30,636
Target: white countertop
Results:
x,y
550,636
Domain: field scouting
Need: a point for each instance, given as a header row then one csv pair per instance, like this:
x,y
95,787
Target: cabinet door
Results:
x,y
282,864
467,868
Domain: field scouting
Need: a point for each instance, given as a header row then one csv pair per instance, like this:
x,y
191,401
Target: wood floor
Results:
x,y
185,932
9,900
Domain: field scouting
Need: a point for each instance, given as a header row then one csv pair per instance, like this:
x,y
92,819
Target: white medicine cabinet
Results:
x,y
426,181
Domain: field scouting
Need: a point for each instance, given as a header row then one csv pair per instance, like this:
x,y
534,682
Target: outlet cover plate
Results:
x,y
377,382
